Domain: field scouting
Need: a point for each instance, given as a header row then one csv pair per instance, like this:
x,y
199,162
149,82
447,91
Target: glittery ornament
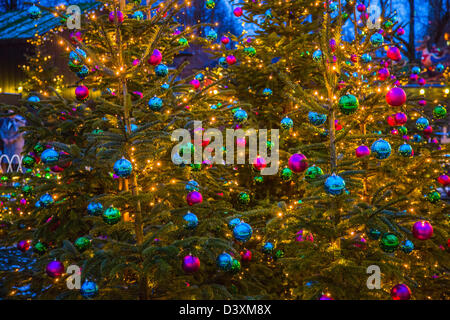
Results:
x,y
381,149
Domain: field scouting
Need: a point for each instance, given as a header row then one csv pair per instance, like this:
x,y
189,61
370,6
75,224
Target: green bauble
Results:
x,y
258,179
210,4
402,130
111,215
279,254
183,42
374,234
75,66
27,190
235,266
28,161
244,198
286,174
38,148
82,243
40,248
439,112
389,242
196,166
433,196
388,24
312,173
348,104
249,51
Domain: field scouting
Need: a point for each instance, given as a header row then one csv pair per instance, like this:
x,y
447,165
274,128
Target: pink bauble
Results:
x,y
246,255
413,77
393,53
194,197
396,97
259,163
394,131
362,151
55,269
401,292
361,7
422,230
155,58
325,297
428,130
23,245
298,163
136,62
231,59
81,92
391,121
422,81
400,118
383,74
444,180
190,264
400,31
422,103
225,40
119,16
195,83
237,11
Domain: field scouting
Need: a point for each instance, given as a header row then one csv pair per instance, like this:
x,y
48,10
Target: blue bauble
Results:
x,y
366,58
191,220
287,123
317,55
267,92
78,54
417,138
89,289
155,103
224,261
407,246
440,68
161,70
415,70
83,72
45,200
405,150
165,86
133,127
240,115
192,185
316,119
334,185
242,232
211,35
50,156
422,123
267,247
95,208
268,13
123,168
233,223
138,15
34,99
222,62
200,77
34,12
376,39
381,149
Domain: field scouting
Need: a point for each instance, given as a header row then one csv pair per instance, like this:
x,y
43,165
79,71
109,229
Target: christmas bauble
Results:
x,y
259,163
267,92
440,68
50,156
235,266
400,118
422,123
195,83
190,264
267,247
83,72
312,173
362,151
89,289
242,232
231,60
183,42
444,180
421,82
334,185
224,261
374,234
112,17
192,185
55,269
155,58
332,43
317,55
422,230
278,254
210,4
383,74
75,65
381,149
27,189
240,115
415,70
40,248
246,255
191,220
361,7
82,243
123,168
161,70
433,196
407,246
155,103
138,15
194,197
222,62
95,208
376,39
405,150
35,99
400,31
287,123
28,161
23,245
250,52
258,179
225,40
298,162
348,104
439,112
34,12
401,292
316,119
303,235
244,198
237,11
325,297
389,242
396,97
402,130
81,92
233,223
394,53
111,215
366,58
46,200
417,138
286,174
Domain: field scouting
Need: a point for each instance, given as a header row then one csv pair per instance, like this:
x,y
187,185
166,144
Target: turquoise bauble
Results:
x,y
161,70
191,220
240,115
381,149
405,150
155,103
422,123
316,119
111,215
95,208
123,168
334,185
287,123
50,156
89,289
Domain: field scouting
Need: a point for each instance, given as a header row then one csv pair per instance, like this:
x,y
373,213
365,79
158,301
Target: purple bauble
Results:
x,y
194,197
401,292
119,16
413,77
81,92
332,44
422,81
191,264
422,103
55,269
422,230
396,97
400,118
383,74
362,151
325,297
297,162
23,245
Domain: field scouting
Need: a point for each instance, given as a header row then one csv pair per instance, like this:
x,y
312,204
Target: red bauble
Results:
x,y
246,255
231,59
383,74
422,81
393,53
23,245
361,7
428,130
354,58
195,83
401,292
400,31
112,16
81,92
225,40
422,230
55,269
444,180
422,103
298,163
413,77
400,118
155,58
396,97
194,197
190,264
237,11
337,126
391,121
259,163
